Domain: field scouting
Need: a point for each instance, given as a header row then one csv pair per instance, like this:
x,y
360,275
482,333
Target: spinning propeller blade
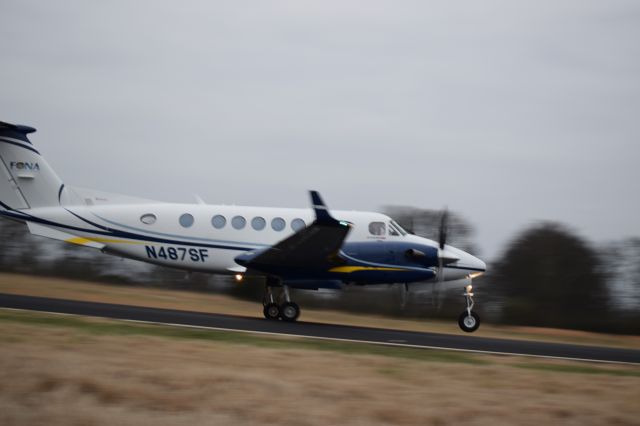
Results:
x,y
442,231
442,241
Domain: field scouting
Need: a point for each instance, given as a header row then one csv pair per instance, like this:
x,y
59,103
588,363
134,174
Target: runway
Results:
x,y
461,342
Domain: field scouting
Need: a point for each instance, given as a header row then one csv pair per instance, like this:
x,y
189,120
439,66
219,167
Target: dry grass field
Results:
x,y
202,302
66,370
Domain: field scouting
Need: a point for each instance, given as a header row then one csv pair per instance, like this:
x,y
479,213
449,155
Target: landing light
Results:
x,y
469,288
475,274
238,277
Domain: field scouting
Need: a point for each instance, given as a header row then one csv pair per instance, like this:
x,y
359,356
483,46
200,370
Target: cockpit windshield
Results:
x,y
395,229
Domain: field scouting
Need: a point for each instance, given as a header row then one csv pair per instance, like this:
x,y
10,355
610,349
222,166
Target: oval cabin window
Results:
x,y
186,220
238,222
258,223
278,224
218,221
148,219
298,224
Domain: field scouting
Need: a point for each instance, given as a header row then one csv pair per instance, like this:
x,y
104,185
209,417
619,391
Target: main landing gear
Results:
x,y
286,311
469,321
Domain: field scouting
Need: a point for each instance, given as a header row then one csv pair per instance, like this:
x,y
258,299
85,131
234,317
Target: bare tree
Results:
x,y
622,264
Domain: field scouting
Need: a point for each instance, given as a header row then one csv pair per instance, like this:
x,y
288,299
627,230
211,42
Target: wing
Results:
x,y
315,247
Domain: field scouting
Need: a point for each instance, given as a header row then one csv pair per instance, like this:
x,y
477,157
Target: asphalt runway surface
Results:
x,y
460,342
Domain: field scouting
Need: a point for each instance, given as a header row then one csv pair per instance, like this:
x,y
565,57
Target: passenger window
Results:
x,y
258,223
377,228
186,220
238,222
148,219
278,224
218,221
298,224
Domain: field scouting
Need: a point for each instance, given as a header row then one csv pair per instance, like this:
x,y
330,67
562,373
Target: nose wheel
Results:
x,y
468,320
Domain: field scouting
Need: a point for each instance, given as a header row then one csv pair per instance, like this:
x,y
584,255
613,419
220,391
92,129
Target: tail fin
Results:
x,y
26,179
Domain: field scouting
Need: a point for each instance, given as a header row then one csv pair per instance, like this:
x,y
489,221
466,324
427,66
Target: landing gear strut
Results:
x,y
469,321
271,309
286,311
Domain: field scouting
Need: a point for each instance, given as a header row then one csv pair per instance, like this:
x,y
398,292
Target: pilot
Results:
x,y
377,228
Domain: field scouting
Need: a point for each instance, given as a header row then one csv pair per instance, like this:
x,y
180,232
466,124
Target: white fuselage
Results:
x,y
198,245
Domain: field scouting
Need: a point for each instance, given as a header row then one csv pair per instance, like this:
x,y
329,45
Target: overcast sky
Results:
x,y
507,112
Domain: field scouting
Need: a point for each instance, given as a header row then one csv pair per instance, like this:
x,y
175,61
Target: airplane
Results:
x,y
288,248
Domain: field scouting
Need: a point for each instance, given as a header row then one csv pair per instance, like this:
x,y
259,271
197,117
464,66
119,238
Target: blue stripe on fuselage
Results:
x,y
30,148
115,233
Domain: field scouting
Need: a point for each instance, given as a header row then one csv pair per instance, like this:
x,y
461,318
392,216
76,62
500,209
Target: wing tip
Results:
x,y
322,211
316,199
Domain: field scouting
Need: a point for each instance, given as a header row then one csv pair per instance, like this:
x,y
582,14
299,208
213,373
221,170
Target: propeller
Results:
x,y
442,231
436,289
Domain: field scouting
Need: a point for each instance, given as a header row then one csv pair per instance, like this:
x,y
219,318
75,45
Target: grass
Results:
x,y
579,369
65,369
120,328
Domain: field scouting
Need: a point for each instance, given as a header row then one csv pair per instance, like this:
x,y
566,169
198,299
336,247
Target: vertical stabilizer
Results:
x,y
26,179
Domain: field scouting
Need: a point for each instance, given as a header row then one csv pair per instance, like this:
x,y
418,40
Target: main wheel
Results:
x,y
469,323
271,311
289,311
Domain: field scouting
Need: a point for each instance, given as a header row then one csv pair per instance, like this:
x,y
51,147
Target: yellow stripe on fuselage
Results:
x,y
82,241
349,269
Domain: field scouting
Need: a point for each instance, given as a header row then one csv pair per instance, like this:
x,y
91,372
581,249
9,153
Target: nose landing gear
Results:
x,y
468,320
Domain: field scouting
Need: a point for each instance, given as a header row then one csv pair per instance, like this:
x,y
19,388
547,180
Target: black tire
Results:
x,y
467,323
271,311
289,311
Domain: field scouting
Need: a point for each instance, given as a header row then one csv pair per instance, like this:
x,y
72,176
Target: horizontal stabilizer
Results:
x,y
45,231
